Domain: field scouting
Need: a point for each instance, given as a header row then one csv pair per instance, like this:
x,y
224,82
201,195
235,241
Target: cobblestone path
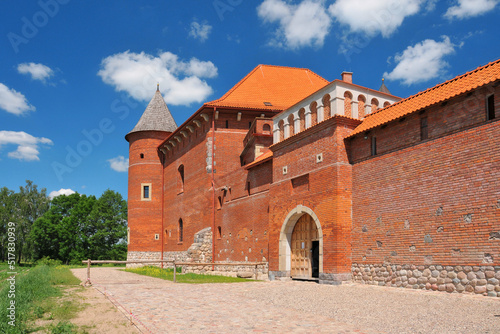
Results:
x,y
165,307
294,307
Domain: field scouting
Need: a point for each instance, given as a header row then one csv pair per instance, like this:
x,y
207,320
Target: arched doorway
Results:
x,y
305,249
301,244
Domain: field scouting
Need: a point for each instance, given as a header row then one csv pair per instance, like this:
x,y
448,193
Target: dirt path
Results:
x,y
100,315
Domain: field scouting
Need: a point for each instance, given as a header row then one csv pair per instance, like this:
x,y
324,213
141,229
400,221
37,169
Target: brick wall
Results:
x,y
324,187
144,216
434,202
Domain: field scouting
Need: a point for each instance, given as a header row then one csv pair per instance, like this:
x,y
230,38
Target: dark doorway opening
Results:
x,y
315,258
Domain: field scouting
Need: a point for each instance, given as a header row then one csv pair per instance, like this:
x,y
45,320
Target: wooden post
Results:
x,y
88,273
175,271
256,272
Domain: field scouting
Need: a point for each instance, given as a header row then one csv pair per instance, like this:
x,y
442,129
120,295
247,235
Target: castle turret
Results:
x,y
145,179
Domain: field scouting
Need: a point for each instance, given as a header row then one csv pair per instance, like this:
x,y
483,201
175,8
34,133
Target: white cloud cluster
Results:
x,y
137,74
200,31
13,101
60,192
309,22
305,24
37,71
470,8
421,62
119,164
27,145
375,16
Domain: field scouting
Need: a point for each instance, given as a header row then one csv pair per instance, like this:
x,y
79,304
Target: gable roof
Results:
x,y
464,83
270,87
156,117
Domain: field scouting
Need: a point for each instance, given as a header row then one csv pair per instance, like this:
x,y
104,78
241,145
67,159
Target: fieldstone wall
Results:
x,y
201,248
171,256
200,251
484,280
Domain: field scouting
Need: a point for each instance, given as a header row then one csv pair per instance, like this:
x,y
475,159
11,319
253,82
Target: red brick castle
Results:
x,y
326,180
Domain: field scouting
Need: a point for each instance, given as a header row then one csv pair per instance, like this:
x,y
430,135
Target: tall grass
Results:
x,y
33,289
168,274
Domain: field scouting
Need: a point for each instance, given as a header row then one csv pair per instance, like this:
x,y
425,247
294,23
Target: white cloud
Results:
x,y
375,16
119,164
27,145
13,101
421,62
137,74
37,71
470,8
200,31
60,192
302,25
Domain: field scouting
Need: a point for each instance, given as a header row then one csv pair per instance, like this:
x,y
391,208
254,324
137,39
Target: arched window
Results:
x,y
302,118
386,104
181,230
374,104
347,104
181,178
281,126
327,107
291,127
314,113
361,106
266,129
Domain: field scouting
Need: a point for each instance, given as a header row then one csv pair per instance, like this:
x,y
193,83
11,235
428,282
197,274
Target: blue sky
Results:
x,y
75,76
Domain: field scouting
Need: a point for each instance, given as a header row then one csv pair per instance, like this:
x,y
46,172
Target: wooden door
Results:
x,y
304,233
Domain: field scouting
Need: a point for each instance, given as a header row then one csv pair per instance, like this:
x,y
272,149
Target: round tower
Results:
x,y
145,182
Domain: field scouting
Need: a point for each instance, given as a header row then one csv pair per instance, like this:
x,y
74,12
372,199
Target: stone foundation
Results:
x,y
170,256
332,279
484,280
200,251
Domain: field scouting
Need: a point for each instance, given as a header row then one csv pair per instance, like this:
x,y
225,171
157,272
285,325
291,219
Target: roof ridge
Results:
x,y
435,87
237,85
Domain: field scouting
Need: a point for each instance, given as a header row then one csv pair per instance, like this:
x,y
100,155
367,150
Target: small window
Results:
x,y
181,178
249,125
374,146
248,188
219,232
181,230
424,133
219,203
142,155
157,236
227,124
146,191
490,105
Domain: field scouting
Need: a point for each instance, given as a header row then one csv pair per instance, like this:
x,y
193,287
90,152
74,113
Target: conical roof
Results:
x,y
383,88
156,117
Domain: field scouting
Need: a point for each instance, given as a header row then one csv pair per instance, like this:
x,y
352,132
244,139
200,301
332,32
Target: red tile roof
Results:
x,y
440,93
263,158
278,86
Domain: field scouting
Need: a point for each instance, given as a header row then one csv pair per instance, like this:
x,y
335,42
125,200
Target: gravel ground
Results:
x,y
387,310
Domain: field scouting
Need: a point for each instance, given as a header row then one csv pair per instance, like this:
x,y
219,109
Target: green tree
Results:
x,y
107,228
79,227
7,213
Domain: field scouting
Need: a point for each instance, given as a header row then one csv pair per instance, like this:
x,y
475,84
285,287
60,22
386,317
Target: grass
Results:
x,y
168,274
5,270
39,294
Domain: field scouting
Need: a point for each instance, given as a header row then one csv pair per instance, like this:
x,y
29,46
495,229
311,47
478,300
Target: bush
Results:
x,y
49,262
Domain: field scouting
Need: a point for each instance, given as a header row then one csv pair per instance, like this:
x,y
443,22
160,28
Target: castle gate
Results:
x,y
301,244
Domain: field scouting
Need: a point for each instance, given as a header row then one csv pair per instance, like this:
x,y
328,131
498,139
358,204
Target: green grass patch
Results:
x,y
168,274
39,294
